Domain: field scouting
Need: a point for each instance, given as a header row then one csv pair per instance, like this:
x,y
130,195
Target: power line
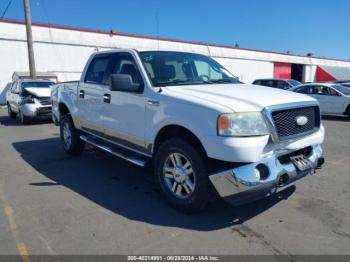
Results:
x,y
5,11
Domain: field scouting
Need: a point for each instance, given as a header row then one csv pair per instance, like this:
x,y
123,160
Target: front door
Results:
x,y
334,102
124,112
15,97
320,93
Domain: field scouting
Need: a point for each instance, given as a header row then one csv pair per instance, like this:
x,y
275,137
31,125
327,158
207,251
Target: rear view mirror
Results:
x,y
123,83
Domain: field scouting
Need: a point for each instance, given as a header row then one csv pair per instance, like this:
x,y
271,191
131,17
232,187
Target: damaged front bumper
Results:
x,y
273,174
35,110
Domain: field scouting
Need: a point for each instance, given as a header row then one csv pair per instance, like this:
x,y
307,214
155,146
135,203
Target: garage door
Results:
x,y
282,70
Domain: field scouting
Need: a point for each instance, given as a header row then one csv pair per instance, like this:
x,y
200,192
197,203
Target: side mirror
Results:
x,y
123,83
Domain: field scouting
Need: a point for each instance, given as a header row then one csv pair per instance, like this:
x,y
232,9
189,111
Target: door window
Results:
x,y
320,90
269,83
124,64
332,92
280,84
96,70
305,90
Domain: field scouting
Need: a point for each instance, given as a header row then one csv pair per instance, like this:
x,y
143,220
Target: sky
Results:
x,y
321,27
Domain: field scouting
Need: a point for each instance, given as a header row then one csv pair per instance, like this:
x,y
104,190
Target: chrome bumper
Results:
x,y
34,110
241,185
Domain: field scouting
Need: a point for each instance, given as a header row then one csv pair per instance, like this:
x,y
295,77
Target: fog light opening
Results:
x,y
320,162
283,180
261,172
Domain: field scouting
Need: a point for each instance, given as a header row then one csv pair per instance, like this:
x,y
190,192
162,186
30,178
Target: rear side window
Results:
x,y
97,70
320,90
270,83
305,90
281,84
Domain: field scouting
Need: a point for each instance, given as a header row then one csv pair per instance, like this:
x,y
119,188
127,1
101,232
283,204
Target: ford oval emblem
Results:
x,y
301,120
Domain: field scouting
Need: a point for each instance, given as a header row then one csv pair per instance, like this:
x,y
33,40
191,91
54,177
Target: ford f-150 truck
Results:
x,y
204,132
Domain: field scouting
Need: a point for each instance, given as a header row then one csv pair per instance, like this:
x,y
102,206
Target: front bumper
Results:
x,y
36,110
241,185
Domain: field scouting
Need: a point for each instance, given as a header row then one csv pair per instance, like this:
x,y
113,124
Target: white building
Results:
x,y
64,50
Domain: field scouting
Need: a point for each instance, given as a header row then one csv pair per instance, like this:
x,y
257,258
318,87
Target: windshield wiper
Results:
x,y
176,81
217,81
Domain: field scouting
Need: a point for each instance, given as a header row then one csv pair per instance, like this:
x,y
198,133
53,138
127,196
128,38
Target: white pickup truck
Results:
x,y
202,130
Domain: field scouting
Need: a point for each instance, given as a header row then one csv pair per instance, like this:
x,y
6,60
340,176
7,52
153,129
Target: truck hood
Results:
x,y
39,92
239,97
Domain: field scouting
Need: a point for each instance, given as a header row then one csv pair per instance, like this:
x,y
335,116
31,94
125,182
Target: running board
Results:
x,y
115,150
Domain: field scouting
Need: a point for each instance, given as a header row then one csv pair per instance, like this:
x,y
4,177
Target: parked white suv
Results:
x,y
200,127
29,99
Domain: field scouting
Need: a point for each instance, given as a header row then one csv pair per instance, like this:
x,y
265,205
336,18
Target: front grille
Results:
x,y
286,124
44,111
45,101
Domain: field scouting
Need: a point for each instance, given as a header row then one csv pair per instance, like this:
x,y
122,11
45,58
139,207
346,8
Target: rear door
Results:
x,y
124,112
90,95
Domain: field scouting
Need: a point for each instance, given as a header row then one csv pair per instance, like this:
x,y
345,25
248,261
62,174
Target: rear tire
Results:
x,y
70,136
11,114
182,175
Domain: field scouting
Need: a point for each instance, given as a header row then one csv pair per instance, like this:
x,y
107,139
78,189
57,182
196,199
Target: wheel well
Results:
x,y
347,111
171,131
63,109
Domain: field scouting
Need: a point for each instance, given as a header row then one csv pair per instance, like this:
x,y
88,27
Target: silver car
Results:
x,y
29,99
334,99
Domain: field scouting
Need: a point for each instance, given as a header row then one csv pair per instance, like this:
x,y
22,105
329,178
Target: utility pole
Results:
x,y
29,39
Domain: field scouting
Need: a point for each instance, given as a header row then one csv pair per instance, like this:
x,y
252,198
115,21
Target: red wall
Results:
x,y
282,70
323,76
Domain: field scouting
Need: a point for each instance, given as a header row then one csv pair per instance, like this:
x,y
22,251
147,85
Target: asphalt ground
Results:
x,y
53,203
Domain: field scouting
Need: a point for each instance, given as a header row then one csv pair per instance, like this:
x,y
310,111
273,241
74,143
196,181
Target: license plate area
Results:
x,y
301,162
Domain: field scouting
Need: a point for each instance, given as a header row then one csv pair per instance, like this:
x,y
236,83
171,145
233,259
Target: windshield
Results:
x,y
294,82
39,84
342,89
176,68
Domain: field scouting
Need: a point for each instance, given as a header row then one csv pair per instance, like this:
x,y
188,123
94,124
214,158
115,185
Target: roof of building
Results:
x,y
40,75
80,29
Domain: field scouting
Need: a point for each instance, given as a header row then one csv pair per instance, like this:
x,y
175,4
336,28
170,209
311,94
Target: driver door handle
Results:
x,y
153,103
81,94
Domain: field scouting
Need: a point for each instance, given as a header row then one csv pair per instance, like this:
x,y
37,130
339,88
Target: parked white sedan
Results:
x,y
334,99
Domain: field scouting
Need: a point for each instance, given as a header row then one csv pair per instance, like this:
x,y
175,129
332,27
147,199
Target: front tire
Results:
x,y
347,113
182,175
23,119
11,114
70,136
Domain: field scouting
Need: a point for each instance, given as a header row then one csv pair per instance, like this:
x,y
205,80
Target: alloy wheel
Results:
x,y
179,176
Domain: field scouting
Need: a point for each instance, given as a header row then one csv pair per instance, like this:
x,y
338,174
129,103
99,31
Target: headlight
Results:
x,y
242,124
28,100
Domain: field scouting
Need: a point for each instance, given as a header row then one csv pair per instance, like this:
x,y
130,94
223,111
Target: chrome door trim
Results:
x,y
103,137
